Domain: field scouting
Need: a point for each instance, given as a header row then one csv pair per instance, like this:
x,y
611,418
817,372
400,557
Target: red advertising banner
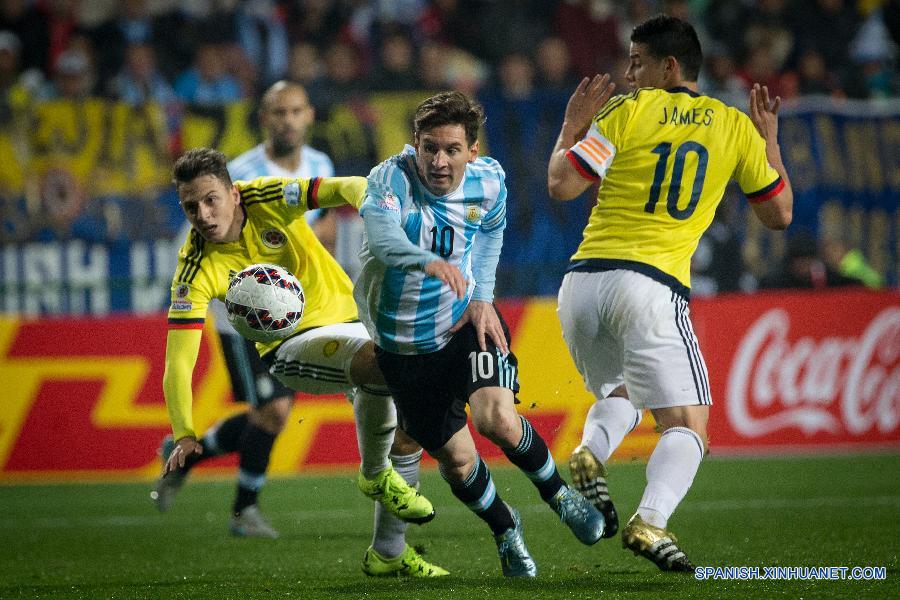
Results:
x,y
792,371
799,371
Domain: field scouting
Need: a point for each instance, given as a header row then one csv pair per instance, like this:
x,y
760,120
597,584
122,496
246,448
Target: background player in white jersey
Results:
x,y
665,154
285,116
330,352
434,217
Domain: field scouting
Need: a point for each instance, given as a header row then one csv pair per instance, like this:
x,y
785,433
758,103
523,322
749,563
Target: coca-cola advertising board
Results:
x,y
802,371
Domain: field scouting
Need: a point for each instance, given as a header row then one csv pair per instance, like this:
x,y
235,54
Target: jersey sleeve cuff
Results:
x,y
312,193
179,323
770,191
583,168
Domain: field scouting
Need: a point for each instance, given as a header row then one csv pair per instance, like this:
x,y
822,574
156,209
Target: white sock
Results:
x,y
607,424
670,473
389,538
376,419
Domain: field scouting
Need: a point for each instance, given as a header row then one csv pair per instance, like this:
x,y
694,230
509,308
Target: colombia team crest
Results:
x,y
273,238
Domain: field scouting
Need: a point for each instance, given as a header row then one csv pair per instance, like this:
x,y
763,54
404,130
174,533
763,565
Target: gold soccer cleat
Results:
x,y
410,564
589,478
655,544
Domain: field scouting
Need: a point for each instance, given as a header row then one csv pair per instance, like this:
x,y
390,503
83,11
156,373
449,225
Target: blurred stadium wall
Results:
x,y
791,372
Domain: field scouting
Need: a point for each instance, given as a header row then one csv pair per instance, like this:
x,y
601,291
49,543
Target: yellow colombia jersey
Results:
x,y
275,231
665,158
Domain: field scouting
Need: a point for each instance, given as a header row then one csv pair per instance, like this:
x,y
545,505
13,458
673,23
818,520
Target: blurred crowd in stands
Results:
x,y
516,56
210,52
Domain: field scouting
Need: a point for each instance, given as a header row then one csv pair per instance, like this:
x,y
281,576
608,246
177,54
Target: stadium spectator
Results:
x,y
804,267
262,34
343,80
133,24
207,82
554,66
623,303
512,26
813,77
768,23
431,326
60,21
140,81
227,221
10,53
516,77
451,22
316,22
828,27
596,45
850,262
73,77
761,66
720,78
432,67
396,70
28,24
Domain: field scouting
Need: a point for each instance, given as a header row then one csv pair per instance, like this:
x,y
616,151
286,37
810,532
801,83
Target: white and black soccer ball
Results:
x,y
265,303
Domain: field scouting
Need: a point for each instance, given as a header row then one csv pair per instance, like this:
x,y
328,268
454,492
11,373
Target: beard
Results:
x,y
282,147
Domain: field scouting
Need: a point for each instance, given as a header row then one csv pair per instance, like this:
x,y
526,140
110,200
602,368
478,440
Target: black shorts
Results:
x,y
431,390
250,378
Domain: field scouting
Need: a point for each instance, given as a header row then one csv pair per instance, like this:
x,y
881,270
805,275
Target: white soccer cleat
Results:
x,y
251,523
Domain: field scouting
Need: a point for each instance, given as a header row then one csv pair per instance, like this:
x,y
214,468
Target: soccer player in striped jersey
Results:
x,y
434,217
261,221
285,116
663,155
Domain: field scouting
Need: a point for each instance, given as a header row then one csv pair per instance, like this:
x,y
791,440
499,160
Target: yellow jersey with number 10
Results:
x,y
665,158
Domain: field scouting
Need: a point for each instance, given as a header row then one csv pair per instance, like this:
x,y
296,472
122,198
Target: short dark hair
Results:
x,y
201,161
667,36
449,108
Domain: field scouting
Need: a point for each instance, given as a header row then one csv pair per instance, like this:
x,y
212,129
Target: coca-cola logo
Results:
x,y
829,384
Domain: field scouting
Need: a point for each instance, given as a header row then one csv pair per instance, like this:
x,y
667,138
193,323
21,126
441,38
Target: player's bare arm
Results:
x,y
777,212
563,181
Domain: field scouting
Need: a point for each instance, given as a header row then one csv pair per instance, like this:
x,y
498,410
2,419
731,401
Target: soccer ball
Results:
x,y
264,303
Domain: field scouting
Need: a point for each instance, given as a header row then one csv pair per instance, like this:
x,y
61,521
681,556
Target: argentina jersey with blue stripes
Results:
x,y
405,310
254,163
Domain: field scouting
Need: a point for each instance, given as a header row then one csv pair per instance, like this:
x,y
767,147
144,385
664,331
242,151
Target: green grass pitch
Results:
x,y
107,541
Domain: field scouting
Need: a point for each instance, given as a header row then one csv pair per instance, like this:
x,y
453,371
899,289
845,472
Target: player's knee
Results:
x,y
502,427
272,417
457,469
403,444
364,368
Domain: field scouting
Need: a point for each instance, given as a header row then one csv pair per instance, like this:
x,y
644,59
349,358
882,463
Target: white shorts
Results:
x,y
624,327
318,361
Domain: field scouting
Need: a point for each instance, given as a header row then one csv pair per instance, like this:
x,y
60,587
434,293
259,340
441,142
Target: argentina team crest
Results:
x,y
473,213
273,238
292,193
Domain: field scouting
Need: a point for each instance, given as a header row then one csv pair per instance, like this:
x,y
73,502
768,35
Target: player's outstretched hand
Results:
x,y
587,99
764,112
483,316
184,447
449,274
